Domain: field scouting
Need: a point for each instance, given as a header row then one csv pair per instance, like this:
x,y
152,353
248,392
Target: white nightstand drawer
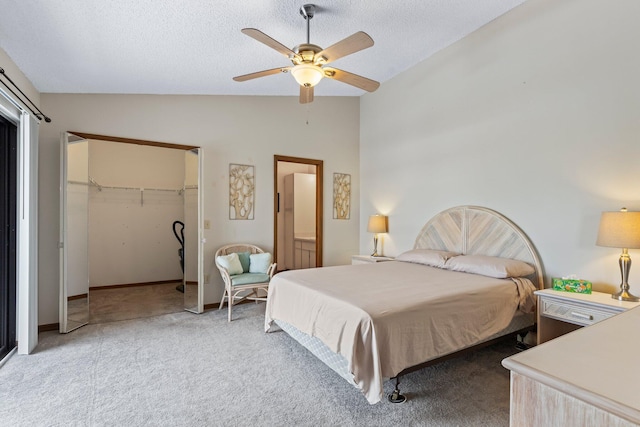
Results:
x,y
572,313
562,312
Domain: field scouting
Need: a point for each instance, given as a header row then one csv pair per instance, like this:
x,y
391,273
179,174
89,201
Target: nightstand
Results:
x,y
562,312
368,259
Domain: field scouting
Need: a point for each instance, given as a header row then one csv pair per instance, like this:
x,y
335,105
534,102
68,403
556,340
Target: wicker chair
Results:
x,y
248,284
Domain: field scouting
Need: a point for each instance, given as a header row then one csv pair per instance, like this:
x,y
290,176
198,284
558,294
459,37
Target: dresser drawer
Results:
x,y
573,313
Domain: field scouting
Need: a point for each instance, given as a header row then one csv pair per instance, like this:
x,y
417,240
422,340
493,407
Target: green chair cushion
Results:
x,y
248,278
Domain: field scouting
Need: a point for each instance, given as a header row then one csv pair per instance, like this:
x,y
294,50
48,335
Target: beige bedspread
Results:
x,y
385,317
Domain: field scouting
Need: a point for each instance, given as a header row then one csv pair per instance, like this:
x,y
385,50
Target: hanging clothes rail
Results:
x,y
92,182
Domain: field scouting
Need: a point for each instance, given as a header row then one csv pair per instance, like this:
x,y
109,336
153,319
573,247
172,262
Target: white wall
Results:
x,y
243,130
534,115
304,205
19,78
131,237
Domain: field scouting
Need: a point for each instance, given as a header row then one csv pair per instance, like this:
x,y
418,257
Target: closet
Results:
x,y
119,207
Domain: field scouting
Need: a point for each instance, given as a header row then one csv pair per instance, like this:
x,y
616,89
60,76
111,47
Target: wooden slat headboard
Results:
x,y
475,230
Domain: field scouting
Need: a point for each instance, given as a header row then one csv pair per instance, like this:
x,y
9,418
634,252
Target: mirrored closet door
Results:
x,y
74,242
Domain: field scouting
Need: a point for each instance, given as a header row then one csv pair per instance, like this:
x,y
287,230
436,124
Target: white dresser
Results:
x,y
584,378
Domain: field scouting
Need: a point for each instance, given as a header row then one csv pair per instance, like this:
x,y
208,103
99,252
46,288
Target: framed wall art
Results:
x,y
341,196
242,184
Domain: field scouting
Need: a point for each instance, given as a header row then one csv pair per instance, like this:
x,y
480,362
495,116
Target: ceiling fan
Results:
x,y
309,60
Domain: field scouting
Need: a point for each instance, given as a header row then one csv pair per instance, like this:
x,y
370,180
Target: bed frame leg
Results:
x,y
396,397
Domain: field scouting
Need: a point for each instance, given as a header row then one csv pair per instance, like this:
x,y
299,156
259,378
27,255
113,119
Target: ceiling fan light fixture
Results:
x,y
307,75
309,60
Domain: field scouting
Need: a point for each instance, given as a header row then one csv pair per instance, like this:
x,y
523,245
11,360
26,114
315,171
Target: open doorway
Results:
x,y
297,212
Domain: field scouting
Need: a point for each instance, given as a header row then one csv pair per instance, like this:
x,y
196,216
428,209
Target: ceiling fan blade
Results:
x,y
351,79
352,44
306,94
264,73
272,43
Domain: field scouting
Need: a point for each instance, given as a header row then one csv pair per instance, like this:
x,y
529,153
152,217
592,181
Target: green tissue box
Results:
x,y
571,285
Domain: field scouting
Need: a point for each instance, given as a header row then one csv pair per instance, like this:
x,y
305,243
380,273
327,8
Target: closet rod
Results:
x,y
109,187
100,187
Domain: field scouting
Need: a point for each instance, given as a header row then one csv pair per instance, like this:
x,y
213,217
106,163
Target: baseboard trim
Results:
x,y
131,285
212,306
49,327
215,305
77,297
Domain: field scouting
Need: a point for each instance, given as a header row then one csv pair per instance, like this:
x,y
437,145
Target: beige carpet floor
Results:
x,y
192,370
135,302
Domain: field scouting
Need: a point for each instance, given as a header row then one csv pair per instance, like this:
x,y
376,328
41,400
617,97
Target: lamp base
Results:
x,y
375,245
624,295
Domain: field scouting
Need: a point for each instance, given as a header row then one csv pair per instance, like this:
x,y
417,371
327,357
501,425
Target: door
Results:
x,y
74,243
193,241
8,209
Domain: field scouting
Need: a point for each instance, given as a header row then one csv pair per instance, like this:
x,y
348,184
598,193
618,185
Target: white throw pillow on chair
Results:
x,y
231,263
259,263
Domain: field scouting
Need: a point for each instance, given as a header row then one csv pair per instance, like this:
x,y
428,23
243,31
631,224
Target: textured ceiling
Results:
x,y
196,47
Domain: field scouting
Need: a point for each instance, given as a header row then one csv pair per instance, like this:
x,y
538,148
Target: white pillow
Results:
x,y
231,263
432,257
259,263
491,266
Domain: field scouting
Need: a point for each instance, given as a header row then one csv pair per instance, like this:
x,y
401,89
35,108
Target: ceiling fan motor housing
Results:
x,y
305,53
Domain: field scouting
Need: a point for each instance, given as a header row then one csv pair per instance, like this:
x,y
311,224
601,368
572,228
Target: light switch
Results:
x,y
207,224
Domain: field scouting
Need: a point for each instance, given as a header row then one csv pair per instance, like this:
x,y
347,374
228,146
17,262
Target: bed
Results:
x,y
372,322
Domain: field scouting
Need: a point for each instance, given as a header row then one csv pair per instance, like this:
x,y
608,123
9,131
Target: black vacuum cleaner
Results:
x,y
181,250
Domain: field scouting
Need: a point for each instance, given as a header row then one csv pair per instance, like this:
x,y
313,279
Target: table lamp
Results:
x,y
621,230
377,225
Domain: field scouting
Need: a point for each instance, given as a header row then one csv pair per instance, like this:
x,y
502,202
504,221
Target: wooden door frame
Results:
x,y
319,207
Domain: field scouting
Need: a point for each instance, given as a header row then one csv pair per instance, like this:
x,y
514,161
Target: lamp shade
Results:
x,y
619,230
307,75
377,224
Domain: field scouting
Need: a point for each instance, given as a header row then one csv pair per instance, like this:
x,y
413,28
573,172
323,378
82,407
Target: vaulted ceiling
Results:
x,y
196,47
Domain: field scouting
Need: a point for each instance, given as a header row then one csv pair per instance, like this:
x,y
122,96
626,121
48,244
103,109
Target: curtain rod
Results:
x,y
40,115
